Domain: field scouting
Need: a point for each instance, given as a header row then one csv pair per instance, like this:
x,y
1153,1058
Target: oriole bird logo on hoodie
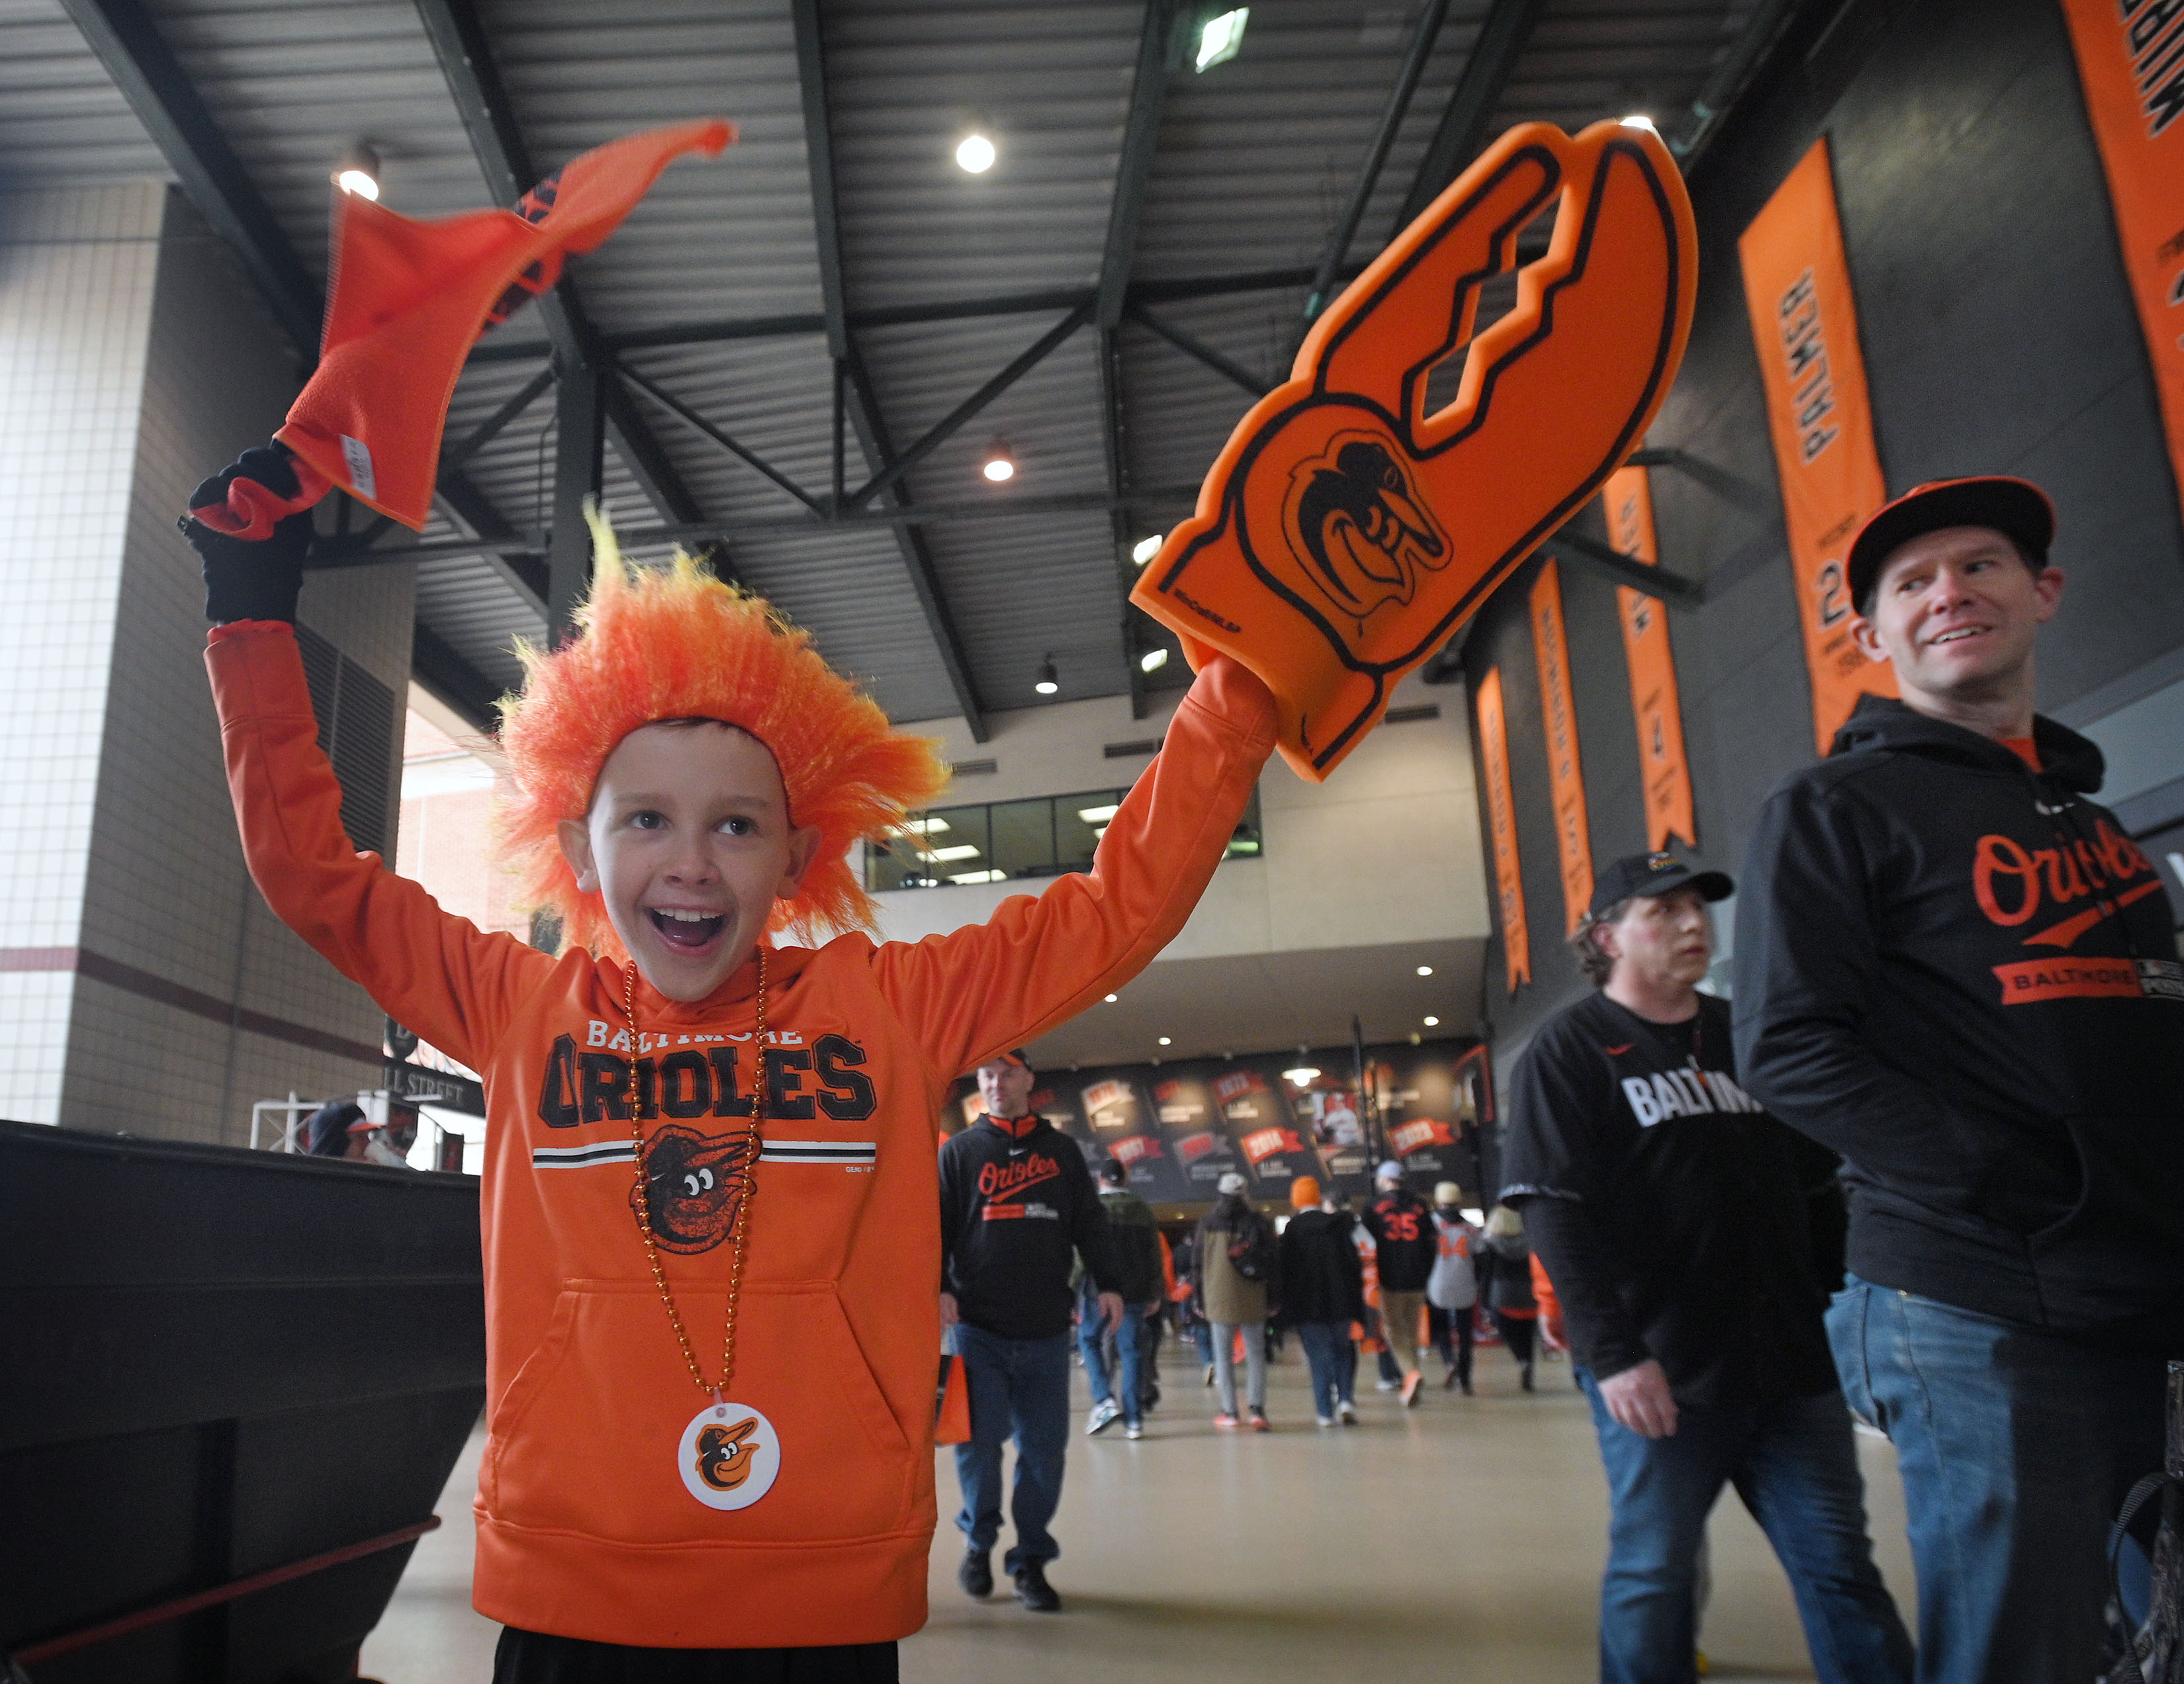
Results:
x,y
694,1186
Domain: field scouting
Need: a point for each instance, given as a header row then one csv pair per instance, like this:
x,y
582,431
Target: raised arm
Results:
x,y
1040,960
434,972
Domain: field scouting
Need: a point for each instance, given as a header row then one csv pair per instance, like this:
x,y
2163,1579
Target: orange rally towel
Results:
x,y
1344,532
409,299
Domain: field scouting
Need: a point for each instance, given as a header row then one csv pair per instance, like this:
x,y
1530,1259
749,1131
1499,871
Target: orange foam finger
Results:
x,y
1345,532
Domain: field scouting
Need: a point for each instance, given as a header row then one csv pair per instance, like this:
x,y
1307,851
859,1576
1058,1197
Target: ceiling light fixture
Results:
x,y
1303,1075
925,827
962,851
1145,549
1111,998
1001,463
1432,1022
1098,815
1222,37
1425,970
975,154
1164,1041
1049,680
357,171
1152,660
979,877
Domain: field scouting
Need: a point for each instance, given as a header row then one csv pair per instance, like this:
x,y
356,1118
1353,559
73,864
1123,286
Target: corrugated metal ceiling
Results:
x,y
1253,164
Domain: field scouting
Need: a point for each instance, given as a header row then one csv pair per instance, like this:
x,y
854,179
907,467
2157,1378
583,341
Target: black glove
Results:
x,y
250,524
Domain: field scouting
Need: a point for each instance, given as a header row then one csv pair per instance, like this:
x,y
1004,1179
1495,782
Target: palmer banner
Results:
x,y
1558,716
2131,63
1653,704
1797,286
1502,826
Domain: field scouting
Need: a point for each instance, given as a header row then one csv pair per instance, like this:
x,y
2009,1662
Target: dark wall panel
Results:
x,y
1999,336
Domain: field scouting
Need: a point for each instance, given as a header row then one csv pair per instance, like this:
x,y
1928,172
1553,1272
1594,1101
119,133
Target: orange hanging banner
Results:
x,y
1666,775
1558,715
2131,63
1502,825
1797,286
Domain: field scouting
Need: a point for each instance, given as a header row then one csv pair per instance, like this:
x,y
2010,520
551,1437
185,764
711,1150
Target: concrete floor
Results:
x,y
1461,1541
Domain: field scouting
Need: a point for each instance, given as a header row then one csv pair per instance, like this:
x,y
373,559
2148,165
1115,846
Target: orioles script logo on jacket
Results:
x,y
1001,1182
2016,885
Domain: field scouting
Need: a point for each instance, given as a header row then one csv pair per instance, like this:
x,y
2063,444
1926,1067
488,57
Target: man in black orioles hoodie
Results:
x,y
1957,972
1016,1201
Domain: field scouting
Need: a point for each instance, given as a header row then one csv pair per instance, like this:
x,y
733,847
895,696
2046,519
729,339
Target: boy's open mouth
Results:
x,y
688,931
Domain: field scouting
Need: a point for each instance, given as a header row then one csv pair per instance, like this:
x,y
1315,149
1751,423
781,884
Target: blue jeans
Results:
x,y
1794,1465
1331,1383
1019,1387
2016,1449
1091,1340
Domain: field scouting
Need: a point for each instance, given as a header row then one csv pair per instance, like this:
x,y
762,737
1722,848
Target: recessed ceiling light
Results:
x,y
1152,660
979,877
1222,37
1303,1075
1432,1022
1049,681
1001,463
1145,549
1164,1041
925,827
975,154
962,851
1097,815
1425,970
357,172
1111,998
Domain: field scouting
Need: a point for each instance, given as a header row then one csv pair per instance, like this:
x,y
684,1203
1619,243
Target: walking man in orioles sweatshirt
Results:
x,y
1015,1202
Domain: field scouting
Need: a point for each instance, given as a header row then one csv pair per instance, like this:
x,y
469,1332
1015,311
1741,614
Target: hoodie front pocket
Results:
x,y
596,1445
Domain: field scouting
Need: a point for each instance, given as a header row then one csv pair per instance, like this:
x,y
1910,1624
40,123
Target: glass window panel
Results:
x,y
1023,838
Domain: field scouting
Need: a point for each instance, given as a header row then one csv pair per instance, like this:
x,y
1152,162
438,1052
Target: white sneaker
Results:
x,y
1327,1420
1104,1415
1386,1385
1135,1430
1347,1412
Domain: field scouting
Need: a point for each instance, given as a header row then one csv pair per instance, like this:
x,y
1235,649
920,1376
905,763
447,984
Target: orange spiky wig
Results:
x,y
675,642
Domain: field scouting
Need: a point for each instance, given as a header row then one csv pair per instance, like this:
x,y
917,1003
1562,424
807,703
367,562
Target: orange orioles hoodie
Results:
x,y
589,1520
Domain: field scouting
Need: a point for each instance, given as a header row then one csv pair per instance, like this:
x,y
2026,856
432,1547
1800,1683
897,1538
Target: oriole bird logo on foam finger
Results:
x,y
1343,532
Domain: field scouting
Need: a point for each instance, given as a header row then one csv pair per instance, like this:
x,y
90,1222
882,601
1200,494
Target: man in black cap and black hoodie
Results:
x,y
1670,1212
1016,1206
1957,972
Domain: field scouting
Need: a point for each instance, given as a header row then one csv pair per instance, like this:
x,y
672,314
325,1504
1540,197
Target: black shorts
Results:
x,y
535,1658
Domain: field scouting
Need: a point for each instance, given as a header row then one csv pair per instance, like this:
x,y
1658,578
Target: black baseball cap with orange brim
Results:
x,y
2017,509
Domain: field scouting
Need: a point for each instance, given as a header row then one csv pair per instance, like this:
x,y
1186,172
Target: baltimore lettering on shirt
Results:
x,y
1687,1093
705,1079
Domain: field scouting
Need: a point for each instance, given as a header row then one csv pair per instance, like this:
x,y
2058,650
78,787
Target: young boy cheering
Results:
x,y
712,1268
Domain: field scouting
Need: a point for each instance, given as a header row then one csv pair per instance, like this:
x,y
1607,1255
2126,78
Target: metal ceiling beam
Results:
x,y
1043,302
1613,565
1463,128
144,68
968,410
1190,345
436,664
1376,157
855,401
1133,168
459,39
1153,501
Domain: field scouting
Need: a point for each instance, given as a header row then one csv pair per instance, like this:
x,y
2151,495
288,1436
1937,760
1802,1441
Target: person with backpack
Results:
x,y
1236,1262
1505,1276
1134,1238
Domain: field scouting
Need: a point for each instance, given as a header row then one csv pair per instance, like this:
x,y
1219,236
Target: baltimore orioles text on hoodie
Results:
x,y
590,1520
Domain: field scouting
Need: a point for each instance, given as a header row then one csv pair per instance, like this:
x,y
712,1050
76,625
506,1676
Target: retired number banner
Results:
x,y
1502,825
1558,715
1797,286
1666,775
2131,63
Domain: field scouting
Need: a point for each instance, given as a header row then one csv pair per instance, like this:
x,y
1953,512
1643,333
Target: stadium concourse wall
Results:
x,y
1999,337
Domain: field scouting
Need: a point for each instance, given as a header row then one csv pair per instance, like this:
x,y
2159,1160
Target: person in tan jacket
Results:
x,y
1236,1261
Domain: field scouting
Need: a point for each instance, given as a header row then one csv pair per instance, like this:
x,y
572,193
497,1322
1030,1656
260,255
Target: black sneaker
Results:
x,y
976,1575
1034,1593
